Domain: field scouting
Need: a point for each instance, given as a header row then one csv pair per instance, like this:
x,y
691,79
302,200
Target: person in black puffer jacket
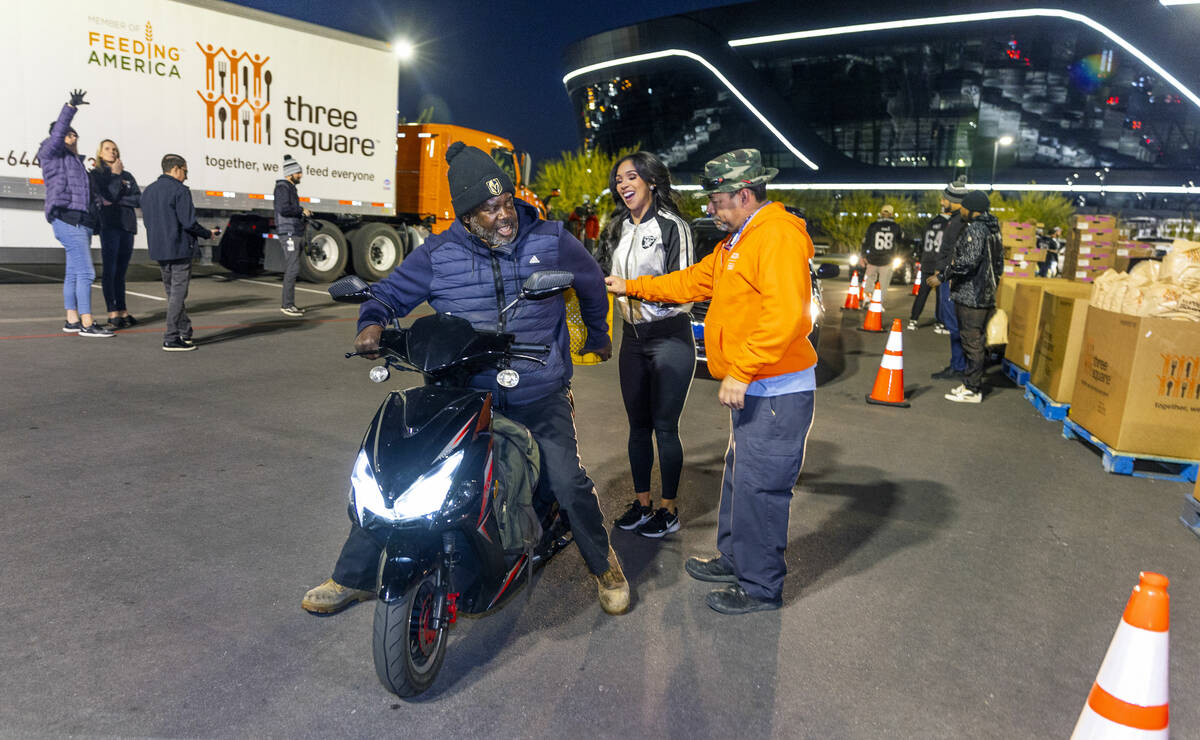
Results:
x,y
473,270
120,195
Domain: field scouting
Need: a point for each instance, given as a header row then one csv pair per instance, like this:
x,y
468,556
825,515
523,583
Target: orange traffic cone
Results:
x,y
889,381
874,319
1129,697
853,293
917,282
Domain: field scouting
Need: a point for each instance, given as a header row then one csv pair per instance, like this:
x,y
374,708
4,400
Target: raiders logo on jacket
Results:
x,y
656,246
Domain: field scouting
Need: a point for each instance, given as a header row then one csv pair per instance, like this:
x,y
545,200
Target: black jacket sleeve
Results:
x,y
131,194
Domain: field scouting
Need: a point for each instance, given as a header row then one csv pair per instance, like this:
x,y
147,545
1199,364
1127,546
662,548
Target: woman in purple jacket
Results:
x,y
71,211
119,196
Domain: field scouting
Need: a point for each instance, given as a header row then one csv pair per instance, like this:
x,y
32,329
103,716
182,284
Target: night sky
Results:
x,y
495,67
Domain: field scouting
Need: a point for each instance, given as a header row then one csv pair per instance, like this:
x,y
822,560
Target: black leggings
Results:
x,y
657,362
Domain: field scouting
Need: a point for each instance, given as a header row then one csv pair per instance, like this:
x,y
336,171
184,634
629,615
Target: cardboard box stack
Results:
x,y
1025,316
1060,336
1138,384
1091,248
1021,254
1126,251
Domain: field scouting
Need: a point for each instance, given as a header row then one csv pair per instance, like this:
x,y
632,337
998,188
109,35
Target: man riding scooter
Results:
x,y
481,261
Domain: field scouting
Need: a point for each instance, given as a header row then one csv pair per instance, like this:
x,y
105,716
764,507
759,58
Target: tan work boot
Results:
x,y
613,588
332,597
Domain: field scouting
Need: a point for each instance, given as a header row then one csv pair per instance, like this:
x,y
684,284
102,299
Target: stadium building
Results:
x,y
1099,98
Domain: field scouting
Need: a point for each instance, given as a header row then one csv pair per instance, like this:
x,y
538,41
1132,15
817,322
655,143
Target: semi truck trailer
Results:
x,y
232,90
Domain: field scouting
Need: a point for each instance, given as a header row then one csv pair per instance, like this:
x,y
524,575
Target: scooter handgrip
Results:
x,y
530,349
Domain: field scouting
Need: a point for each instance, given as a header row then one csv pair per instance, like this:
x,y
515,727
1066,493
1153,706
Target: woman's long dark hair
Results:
x,y
658,178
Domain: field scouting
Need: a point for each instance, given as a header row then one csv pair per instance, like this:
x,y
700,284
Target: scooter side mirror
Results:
x,y
546,283
350,289
827,270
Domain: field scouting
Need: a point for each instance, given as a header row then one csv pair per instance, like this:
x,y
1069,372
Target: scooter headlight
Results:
x,y
896,262
854,260
424,497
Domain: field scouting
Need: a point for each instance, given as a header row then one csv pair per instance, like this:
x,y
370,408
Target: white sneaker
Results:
x,y
940,329
962,395
912,325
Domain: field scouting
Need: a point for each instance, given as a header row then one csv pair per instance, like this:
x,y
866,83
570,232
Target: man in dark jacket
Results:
x,y
972,280
289,228
474,270
171,232
71,209
879,248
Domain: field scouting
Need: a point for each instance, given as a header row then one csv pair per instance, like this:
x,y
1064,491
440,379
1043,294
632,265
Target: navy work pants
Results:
x,y
949,315
766,450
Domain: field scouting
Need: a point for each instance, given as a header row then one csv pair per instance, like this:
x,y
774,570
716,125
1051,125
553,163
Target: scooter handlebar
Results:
x,y
530,349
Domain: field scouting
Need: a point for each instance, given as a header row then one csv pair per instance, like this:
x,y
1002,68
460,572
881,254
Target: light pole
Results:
x,y
1002,141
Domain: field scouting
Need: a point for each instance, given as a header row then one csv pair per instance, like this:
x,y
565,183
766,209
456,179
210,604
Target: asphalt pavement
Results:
x,y
954,570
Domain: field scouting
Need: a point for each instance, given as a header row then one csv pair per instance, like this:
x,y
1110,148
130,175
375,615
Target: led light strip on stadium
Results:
x,y
917,23
716,73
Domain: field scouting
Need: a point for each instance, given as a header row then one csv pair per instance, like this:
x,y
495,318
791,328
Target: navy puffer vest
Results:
x,y
475,282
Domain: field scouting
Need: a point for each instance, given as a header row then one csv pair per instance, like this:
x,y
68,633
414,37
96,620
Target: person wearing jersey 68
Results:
x,y
880,243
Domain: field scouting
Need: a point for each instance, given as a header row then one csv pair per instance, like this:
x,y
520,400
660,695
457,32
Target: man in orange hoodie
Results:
x,y
756,335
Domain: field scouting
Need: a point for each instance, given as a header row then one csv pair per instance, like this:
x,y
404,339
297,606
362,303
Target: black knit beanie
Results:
x,y
976,201
474,177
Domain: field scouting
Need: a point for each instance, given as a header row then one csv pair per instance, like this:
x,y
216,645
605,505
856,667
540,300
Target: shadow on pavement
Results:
x,y
254,329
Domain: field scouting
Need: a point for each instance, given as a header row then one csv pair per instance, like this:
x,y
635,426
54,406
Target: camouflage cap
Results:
x,y
736,170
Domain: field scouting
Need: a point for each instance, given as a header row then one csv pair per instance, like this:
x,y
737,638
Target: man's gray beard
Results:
x,y
490,237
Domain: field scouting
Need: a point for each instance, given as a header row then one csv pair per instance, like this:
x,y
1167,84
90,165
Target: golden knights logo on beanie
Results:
x,y
474,177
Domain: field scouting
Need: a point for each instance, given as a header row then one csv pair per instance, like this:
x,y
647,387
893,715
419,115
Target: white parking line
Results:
x,y
97,287
273,285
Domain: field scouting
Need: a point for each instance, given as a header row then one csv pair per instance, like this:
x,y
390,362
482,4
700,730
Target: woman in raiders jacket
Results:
x,y
646,235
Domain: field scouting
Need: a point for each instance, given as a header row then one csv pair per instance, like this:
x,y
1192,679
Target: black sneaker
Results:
x,y
946,373
635,516
130,321
661,524
734,600
178,345
95,330
117,322
710,570
188,341
69,328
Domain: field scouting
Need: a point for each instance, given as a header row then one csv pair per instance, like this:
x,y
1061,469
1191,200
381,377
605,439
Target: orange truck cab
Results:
x,y
421,187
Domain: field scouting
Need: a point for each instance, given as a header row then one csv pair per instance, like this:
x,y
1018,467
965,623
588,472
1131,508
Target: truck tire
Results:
x,y
324,260
376,250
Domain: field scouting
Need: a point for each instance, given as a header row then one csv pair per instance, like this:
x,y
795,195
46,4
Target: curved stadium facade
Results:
x,y
1099,98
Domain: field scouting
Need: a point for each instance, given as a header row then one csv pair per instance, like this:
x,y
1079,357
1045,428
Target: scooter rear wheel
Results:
x,y
409,641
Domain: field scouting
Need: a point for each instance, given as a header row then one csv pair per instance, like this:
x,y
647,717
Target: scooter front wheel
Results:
x,y
409,641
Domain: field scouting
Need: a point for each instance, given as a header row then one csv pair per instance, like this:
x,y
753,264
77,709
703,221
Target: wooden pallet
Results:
x,y
1135,464
1015,374
1049,409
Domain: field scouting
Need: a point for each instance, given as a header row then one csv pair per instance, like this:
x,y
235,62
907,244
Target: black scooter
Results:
x,y
425,484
